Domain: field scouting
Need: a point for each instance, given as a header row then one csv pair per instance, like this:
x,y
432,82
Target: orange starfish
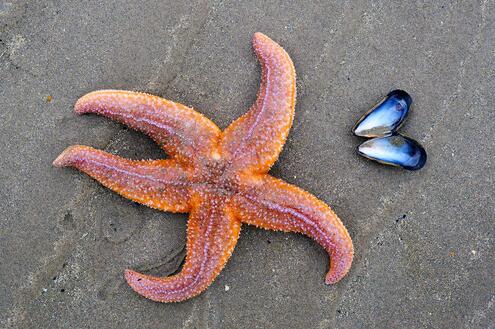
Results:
x,y
220,178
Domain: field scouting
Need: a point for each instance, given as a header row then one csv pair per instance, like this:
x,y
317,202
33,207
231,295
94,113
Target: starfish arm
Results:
x,y
255,140
273,204
212,234
160,184
182,132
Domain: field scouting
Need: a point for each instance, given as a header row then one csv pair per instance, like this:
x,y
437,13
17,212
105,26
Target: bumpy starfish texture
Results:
x,y
220,178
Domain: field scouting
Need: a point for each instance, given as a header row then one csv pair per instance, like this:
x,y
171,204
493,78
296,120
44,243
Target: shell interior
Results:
x,y
385,117
396,150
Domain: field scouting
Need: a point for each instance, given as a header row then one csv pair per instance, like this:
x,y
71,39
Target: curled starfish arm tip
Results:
x,y
132,277
340,264
65,158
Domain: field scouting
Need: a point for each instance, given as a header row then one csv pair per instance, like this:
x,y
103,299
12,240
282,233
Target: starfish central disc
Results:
x,y
219,177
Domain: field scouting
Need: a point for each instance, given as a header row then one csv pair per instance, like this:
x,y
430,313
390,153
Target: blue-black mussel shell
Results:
x,y
386,117
395,150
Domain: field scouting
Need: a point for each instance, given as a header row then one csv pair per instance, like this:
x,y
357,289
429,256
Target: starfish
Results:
x,y
219,177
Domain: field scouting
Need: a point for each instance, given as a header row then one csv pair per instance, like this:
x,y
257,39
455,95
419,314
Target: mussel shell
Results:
x,y
395,150
385,117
